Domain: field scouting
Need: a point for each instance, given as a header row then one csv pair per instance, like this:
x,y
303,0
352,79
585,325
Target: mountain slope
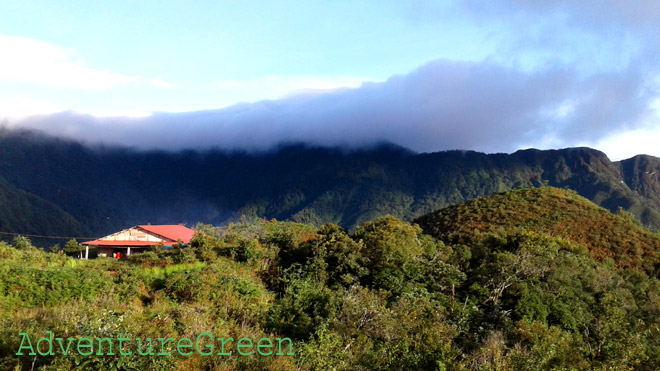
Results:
x,y
552,211
22,212
106,189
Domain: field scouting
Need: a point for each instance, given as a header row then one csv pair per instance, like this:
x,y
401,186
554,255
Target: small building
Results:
x,y
138,239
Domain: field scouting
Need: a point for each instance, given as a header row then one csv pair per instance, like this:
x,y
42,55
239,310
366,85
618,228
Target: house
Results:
x,y
138,239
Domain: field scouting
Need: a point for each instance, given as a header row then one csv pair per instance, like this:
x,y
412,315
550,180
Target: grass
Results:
x,y
163,272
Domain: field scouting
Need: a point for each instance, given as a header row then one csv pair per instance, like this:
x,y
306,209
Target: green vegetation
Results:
x,y
551,211
23,212
523,280
54,187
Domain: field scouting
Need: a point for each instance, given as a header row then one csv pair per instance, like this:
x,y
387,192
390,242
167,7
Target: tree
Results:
x,y
393,249
73,248
336,259
22,243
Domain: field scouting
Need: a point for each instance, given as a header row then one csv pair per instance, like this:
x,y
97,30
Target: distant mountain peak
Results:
x,y
108,188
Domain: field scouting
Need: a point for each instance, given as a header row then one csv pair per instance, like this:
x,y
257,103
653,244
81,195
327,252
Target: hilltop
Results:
x,y
549,211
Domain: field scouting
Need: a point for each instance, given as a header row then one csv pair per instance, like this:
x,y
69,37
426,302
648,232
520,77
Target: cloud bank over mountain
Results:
x,y
559,74
441,105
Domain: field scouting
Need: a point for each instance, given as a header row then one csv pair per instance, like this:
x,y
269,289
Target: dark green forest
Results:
x,y
91,192
528,279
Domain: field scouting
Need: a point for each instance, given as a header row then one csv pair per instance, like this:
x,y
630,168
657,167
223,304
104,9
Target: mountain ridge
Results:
x,y
107,188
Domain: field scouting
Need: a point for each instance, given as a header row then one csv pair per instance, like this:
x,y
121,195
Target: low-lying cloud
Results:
x,y
32,61
441,105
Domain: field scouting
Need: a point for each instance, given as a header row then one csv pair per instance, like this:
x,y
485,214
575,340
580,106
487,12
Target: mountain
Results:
x,y
550,211
22,212
108,188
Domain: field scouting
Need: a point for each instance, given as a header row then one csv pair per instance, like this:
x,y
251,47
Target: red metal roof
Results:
x,y
172,232
122,243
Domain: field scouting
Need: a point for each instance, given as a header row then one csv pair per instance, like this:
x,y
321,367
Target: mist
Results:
x,y
439,106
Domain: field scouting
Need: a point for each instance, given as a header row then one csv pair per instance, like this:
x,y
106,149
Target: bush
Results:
x,y
22,243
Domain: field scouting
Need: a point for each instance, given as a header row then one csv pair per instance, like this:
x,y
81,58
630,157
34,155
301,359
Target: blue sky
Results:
x,y
429,75
212,54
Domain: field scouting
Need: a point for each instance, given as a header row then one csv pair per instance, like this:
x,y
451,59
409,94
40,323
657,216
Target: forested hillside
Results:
x,y
22,212
505,282
550,211
106,189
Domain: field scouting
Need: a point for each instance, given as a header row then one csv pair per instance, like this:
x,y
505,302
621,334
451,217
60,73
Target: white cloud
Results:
x,y
118,113
441,105
640,141
278,86
628,144
159,82
16,107
32,61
